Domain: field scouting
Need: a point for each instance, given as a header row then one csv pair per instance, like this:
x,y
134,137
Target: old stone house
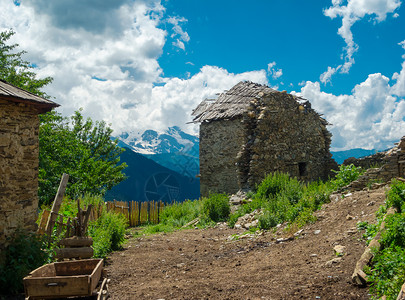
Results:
x,y
253,130
19,149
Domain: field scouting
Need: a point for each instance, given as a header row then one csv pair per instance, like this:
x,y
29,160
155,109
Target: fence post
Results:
x,y
56,204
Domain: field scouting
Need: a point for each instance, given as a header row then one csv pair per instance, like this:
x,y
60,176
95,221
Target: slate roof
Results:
x,y
230,104
15,94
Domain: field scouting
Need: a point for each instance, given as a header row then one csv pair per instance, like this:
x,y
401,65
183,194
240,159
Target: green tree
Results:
x,y
17,71
83,149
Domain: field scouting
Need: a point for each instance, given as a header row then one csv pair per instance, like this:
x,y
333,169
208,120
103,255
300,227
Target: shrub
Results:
x,y
279,183
345,175
216,207
108,233
396,195
23,254
394,233
388,273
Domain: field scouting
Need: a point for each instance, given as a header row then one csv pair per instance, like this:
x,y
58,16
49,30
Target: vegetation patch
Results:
x,y
387,272
23,254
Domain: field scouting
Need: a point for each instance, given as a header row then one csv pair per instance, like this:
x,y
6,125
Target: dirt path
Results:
x,y
205,264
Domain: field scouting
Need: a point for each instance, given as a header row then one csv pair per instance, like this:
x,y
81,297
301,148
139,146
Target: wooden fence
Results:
x,y
137,213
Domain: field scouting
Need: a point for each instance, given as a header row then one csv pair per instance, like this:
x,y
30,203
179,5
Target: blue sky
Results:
x,y
145,64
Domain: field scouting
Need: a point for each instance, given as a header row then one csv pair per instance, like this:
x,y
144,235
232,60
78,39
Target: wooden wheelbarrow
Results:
x,y
79,278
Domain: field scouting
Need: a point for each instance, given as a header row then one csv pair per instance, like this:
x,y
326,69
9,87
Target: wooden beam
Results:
x,y
56,204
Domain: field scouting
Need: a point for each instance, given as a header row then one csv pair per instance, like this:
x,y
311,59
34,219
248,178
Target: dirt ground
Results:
x,y
207,264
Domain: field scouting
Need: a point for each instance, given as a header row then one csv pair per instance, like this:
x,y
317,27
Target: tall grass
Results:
x,y
285,199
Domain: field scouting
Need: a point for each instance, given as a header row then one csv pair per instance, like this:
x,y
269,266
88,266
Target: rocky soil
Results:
x,y
213,264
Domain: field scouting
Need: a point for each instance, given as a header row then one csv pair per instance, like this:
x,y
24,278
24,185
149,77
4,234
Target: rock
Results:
x,y
349,217
317,231
371,203
333,261
298,232
335,197
339,250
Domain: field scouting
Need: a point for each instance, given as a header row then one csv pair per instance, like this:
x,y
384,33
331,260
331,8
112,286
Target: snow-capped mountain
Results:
x,y
149,142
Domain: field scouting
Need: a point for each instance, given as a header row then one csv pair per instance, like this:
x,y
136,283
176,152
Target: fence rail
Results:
x,y
137,213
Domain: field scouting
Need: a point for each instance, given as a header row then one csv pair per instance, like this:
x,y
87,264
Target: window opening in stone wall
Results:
x,y
302,167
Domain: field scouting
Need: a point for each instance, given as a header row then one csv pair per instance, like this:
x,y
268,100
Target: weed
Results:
x,y
346,175
396,195
216,207
108,233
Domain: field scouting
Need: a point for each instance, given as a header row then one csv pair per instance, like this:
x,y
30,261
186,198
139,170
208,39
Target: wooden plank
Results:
x,y
77,241
86,218
79,219
95,276
44,221
56,204
76,267
57,286
82,252
60,225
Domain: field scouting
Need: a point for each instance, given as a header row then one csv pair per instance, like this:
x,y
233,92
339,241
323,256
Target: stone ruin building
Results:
x,y
391,165
253,130
19,150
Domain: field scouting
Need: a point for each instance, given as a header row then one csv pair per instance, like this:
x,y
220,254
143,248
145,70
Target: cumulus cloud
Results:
x,y
371,117
104,58
350,13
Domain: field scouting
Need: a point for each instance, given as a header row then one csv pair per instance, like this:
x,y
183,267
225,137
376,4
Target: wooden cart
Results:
x,y
78,278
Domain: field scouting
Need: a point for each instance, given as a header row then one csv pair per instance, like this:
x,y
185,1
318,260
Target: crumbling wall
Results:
x,y
393,166
220,142
366,162
287,136
19,125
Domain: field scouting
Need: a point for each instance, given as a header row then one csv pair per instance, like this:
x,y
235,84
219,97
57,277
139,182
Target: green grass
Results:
x,y
387,273
285,199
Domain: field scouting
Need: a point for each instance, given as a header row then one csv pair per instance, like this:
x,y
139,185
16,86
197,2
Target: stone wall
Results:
x,y
366,162
219,145
393,165
275,133
286,136
19,125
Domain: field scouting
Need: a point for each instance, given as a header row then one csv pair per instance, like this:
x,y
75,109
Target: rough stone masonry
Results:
x,y
252,130
19,149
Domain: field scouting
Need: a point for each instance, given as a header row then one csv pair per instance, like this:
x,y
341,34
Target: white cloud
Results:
x,y
327,75
275,73
371,117
399,87
178,33
350,13
109,67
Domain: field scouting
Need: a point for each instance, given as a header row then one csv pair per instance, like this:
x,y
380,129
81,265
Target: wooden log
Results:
x,y
56,204
82,252
76,241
